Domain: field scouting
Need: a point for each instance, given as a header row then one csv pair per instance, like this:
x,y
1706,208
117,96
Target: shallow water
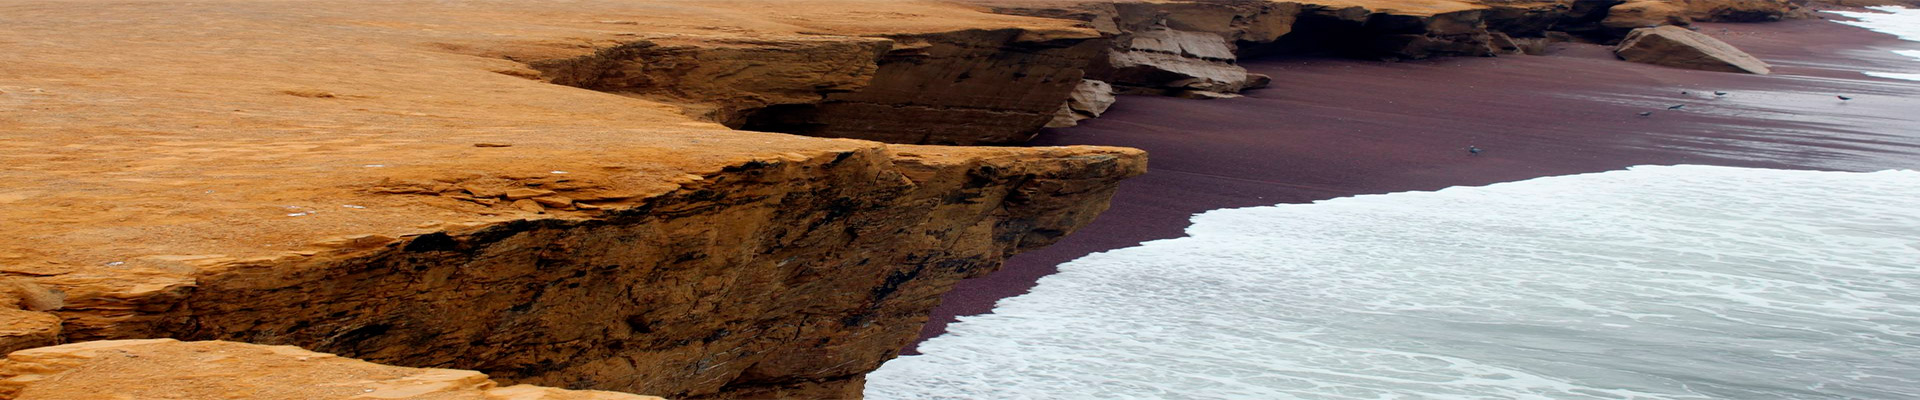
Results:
x,y
1668,282
1901,22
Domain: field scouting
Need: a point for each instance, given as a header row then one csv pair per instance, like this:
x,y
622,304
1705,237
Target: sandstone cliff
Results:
x,y
357,178
561,196
973,79
169,369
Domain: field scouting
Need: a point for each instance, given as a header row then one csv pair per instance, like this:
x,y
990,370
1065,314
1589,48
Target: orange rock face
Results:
x,y
562,195
382,180
169,369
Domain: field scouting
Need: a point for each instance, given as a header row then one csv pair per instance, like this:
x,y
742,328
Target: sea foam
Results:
x,y
1670,282
1900,22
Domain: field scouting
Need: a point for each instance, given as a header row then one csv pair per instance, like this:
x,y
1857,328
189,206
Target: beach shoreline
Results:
x,y
1330,128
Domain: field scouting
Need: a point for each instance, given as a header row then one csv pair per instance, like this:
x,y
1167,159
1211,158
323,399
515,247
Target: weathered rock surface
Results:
x,y
170,369
1090,99
960,88
1681,48
1637,14
552,195
1001,82
1738,10
383,181
1177,60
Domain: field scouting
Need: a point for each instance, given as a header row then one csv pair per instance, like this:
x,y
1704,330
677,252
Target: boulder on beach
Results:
x,y
1088,100
1678,47
1174,59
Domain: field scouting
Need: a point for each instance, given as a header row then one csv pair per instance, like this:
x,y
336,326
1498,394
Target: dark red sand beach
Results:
x,y
1332,128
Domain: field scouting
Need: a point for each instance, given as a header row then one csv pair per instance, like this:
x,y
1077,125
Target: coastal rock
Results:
x,y
1504,44
955,88
1739,10
1631,15
1237,21
790,275
1177,60
1678,47
446,204
1088,100
930,88
166,368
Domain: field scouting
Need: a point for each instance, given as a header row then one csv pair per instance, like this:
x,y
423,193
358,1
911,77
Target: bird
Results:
x,y
1646,113
1676,106
1473,150
1719,93
1844,98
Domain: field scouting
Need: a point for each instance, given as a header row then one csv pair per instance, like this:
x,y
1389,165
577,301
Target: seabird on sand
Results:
x,y
1646,113
1676,106
1719,93
1844,98
1471,150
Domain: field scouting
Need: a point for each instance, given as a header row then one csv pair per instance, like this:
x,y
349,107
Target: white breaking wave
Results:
x,y
1900,22
1674,282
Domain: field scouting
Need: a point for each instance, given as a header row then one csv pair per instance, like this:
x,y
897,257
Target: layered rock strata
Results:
x,y
1000,86
377,180
169,369
554,196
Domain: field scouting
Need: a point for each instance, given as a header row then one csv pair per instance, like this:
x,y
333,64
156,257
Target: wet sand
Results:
x,y
1332,128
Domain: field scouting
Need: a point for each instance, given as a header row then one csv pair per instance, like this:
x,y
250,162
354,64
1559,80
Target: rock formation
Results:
x,y
1000,83
1738,10
1644,13
564,196
383,181
169,369
1089,100
1681,48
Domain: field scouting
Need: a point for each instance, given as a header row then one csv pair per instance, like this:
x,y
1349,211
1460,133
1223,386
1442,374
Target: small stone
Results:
x,y
298,214
354,206
492,145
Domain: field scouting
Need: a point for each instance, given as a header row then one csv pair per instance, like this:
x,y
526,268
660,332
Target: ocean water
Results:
x,y
1897,21
1657,282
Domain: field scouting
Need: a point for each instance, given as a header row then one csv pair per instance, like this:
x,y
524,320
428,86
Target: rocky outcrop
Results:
x,y
166,368
1171,61
787,277
1738,10
723,80
1681,48
383,181
1088,100
1638,14
1000,86
958,88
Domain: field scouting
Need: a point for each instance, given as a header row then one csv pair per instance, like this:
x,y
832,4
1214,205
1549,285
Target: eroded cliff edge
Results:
x,y
1000,86
555,197
351,178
